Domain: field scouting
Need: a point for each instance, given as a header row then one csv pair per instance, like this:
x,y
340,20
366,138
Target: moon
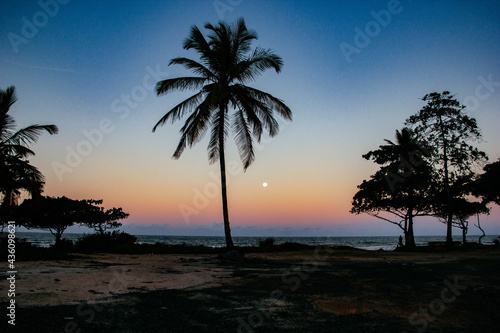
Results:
x,y
264,184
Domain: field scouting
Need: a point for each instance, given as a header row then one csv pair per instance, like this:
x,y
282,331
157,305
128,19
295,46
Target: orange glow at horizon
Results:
x,y
156,195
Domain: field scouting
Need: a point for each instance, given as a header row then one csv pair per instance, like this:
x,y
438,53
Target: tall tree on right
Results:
x,y
463,207
445,126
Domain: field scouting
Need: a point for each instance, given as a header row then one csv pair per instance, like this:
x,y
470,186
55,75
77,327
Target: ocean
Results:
x,y
367,243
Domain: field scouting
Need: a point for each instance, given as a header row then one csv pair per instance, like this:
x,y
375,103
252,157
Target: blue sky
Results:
x,y
89,66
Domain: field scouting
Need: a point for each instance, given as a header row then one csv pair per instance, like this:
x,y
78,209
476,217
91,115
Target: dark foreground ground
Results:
x,y
303,291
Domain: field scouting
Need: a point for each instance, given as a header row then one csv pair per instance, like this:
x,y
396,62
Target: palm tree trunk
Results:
x,y
222,160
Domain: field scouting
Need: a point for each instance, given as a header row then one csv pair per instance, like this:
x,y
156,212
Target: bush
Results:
x,y
268,242
63,244
25,251
105,241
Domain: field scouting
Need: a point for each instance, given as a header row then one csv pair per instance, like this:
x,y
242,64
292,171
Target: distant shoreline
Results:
x,y
387,243
258,236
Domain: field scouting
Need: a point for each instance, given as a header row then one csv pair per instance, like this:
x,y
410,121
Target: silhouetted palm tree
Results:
x,y
411,151
226,65
405,147
16,172
408,175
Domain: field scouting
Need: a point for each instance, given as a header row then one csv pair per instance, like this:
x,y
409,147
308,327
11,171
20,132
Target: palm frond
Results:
x,y
194,128
181,146
257,64
30,134
7,127
262,116
214,145
180,109
263,110
197,41
180,83
389,142
7,123
7,98
199,124
19,174
258,115
244,140
32,180
242,38
195,66
272,102
19,151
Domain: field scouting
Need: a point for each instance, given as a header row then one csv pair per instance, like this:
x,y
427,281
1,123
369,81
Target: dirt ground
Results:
x,y
322,290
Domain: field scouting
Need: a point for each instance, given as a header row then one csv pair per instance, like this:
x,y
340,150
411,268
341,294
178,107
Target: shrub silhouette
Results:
x,y
104,241
26,251
63,244
268,242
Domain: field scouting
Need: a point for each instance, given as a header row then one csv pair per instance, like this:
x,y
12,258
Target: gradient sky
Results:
x,y
89,67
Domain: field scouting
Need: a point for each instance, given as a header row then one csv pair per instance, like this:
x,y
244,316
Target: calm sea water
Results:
x,y
366,243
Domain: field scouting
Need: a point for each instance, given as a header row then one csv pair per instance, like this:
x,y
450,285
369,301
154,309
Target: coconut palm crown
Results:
x,y
226,65
16,172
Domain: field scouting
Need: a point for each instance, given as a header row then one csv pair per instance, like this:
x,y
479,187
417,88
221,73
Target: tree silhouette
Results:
x,y
226,65
463,208
102,220
401,187
53,214
487,184
16,173
445,126
57,214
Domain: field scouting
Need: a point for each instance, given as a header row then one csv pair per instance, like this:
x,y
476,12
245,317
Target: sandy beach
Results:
x,y
321,290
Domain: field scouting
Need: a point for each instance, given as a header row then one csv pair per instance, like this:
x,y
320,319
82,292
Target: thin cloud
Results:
x,y
52,69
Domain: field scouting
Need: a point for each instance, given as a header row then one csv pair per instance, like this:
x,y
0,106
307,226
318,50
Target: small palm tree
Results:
x,y
16,172
404,161
408,148
226,65
406,145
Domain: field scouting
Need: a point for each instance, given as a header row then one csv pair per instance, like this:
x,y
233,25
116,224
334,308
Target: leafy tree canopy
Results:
x,y
57,214
487,185
53,214
444,124
102,220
